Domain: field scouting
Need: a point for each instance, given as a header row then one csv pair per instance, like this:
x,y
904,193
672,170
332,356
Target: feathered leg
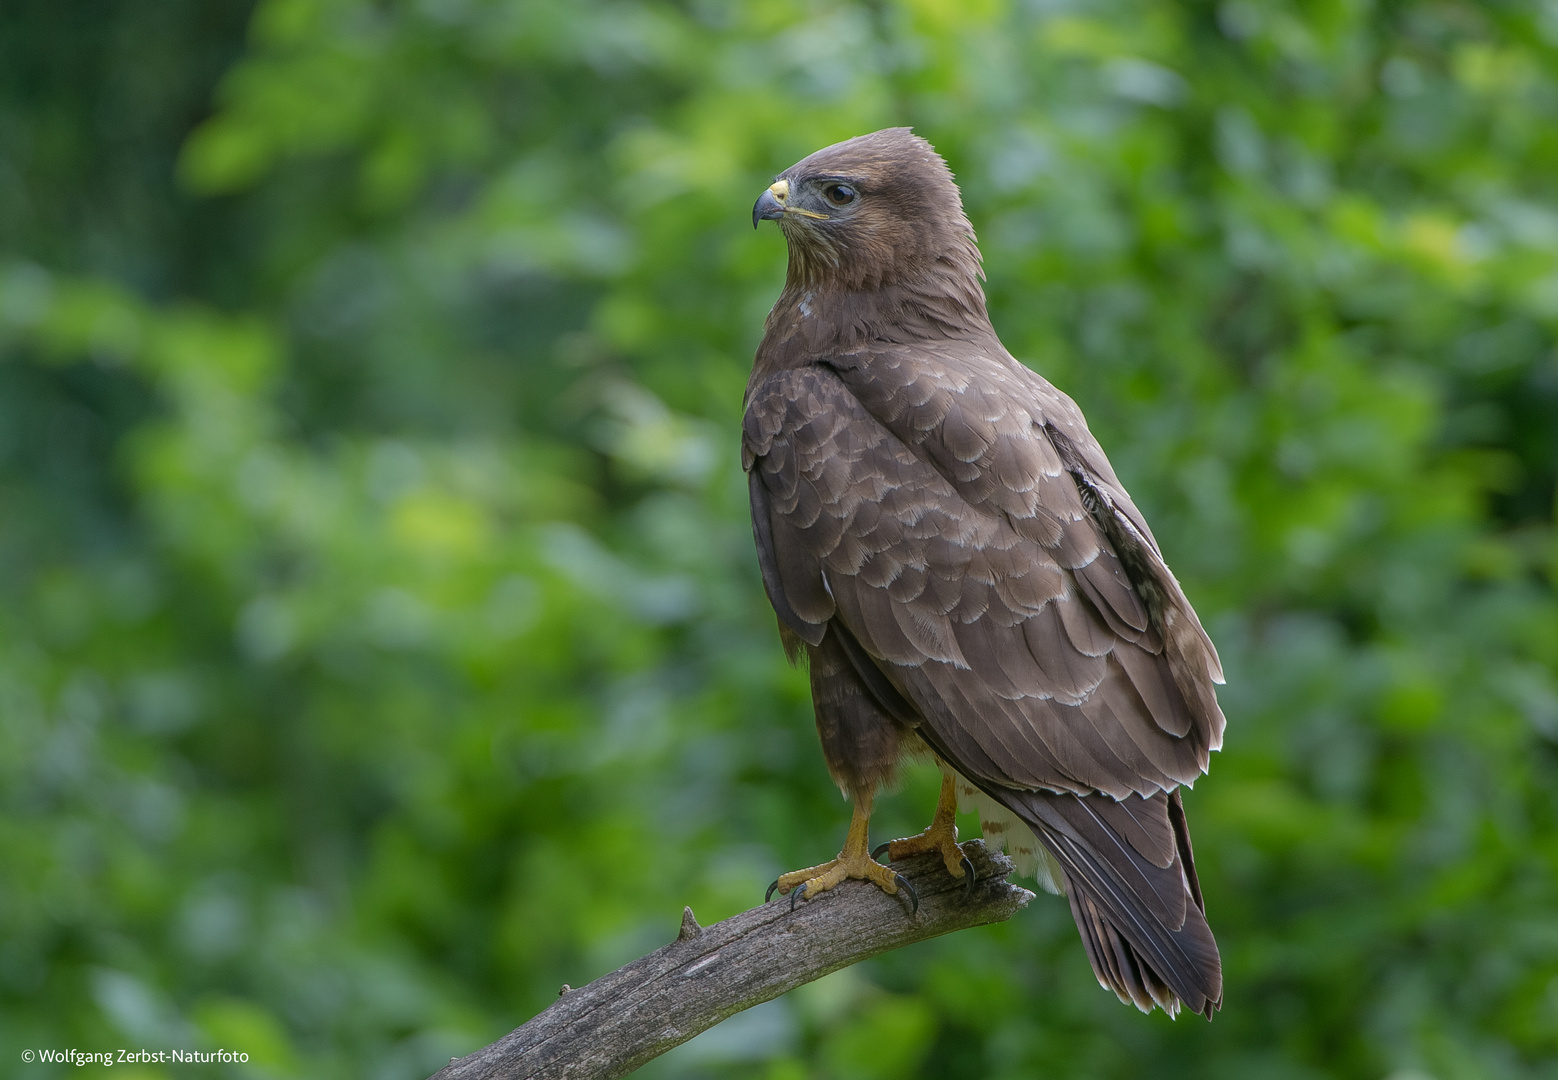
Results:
x,y
862,743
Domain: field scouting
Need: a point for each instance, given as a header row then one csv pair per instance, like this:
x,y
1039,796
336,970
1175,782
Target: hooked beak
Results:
x,y
774,204
770,204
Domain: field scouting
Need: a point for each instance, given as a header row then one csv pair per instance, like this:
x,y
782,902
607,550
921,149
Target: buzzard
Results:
x,y
944,540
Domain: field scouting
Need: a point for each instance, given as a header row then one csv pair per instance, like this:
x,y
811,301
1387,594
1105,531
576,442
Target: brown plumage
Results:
x,y
942,535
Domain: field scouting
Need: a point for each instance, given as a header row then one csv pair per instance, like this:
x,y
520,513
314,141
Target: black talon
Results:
x,y
769,895
795,894
877,854
903,883
968,879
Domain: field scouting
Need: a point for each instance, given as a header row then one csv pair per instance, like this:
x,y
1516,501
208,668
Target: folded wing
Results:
x,y
992,574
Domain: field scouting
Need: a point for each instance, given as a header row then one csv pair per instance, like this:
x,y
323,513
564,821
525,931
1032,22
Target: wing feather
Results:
x,y
1010,644
1070,673
792,576
1154,683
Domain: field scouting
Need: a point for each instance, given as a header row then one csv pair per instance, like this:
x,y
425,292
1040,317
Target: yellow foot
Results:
x,y
853,862
942,837
807,883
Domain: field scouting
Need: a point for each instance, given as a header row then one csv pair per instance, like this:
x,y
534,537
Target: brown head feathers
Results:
x,y
880,248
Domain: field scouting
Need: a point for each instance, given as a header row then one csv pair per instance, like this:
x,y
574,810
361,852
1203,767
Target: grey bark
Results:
x,y
638,1012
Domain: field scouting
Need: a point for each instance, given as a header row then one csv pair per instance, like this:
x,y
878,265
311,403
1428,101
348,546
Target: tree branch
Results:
x,y
638,1012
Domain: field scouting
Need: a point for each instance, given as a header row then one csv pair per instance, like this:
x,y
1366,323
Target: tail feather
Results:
x,y
1143,924
1116,964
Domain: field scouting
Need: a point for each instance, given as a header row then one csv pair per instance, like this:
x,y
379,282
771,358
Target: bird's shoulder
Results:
x,y
916,389
994,434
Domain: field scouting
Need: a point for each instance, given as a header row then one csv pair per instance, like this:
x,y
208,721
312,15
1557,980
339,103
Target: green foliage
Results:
x,y
380,638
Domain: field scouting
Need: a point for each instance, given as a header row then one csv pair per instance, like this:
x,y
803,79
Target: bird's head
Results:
x,y
872,211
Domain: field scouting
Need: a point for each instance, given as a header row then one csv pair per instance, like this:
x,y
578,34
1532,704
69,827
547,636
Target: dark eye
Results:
x,y
839,194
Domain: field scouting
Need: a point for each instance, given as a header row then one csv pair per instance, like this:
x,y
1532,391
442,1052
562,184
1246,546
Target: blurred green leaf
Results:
x,y
381,645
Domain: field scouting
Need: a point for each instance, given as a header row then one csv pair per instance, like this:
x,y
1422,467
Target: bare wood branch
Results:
x,y
638,1012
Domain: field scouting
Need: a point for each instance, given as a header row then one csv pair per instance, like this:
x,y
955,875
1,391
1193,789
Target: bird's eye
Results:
x,y
839,194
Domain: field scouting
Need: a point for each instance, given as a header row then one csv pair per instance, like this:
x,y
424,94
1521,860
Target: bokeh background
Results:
x,y
381,642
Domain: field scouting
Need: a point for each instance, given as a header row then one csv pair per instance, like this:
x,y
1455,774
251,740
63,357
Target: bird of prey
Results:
x,y
944,540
